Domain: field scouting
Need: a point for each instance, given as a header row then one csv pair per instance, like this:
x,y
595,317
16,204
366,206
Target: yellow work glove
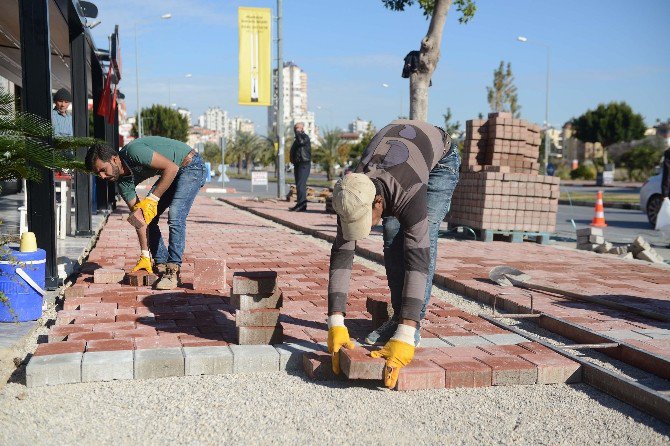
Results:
x,y
149,207
145,264
398,352
338,337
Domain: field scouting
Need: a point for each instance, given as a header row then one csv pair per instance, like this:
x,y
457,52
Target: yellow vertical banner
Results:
x,y
255,58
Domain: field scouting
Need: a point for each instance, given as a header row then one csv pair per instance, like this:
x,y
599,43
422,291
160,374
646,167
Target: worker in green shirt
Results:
x,y
182,174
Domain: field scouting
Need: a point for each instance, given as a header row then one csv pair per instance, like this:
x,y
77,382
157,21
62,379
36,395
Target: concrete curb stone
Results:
x,y
107,366
209,360
159,363
255,358
48,370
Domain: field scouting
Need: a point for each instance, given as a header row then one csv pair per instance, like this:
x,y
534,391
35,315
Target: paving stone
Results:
x,y
255,302
107,366
263,317
626,334
137,219
254,282
159,363
464,372
150,279
465,351
358,364
73,292
55,348
108,275
50,370
433,342
318,365
291,354
504,339
421,375
380,309
254,358
510,370
209,274
136,278
465,340
208,360
260,335
654,333
553,368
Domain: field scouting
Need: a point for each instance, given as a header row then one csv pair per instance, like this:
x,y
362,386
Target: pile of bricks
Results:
x,y
593,239
499,186
257,301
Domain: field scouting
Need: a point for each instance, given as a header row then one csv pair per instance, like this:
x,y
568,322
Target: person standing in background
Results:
x,y
60,118
301,157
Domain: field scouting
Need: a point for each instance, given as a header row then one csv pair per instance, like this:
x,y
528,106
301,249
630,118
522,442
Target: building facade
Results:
x,y
294,101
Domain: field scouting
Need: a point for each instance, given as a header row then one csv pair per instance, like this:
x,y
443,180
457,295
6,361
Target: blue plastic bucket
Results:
x,y
22,281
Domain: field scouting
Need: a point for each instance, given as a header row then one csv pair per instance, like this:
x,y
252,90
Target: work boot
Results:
x,y
171,278
159,269
381,335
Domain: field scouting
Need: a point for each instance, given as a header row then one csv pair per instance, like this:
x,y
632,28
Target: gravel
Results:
x,y
286,409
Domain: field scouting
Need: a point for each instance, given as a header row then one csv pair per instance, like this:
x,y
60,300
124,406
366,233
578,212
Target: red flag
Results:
x,y
112,107
105,103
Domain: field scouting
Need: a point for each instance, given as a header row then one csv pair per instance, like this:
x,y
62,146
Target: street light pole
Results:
x,y
281,186
547,141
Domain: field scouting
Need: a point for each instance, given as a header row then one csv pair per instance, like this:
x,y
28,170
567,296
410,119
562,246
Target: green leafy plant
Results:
x,y
583,173
332,150
641,161
27,147
159,120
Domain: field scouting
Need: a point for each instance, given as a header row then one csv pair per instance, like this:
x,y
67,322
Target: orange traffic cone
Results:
x,y
599,219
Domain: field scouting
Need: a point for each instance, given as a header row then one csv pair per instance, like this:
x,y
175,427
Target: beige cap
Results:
x,y
352,199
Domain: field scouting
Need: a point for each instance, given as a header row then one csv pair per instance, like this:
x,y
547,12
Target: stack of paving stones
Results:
x,y
257,301
499,186
593,239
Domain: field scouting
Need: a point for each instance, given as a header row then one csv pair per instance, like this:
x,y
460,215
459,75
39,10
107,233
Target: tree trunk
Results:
x,y
430,55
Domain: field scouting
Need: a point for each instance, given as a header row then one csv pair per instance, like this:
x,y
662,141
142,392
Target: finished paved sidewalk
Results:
x,y
117,331
463,266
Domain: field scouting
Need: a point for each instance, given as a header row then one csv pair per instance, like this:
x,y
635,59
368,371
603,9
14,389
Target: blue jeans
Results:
x,y
178,198
441,184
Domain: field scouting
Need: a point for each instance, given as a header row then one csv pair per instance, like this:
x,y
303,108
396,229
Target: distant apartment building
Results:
x,y
295,101
360,126
201,121
215,119
185,113
238,124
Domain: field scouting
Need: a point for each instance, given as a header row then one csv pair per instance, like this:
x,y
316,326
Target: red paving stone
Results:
x,y
463,267
121,316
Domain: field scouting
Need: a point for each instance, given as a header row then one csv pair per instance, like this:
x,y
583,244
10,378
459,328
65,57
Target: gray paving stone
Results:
x,y
13,332
159,363
209,360
107,366
626,334
255,358
504,339
465,340
433,342
654,333
290,354
51,370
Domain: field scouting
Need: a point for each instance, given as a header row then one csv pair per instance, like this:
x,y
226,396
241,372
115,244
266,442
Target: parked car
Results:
x,y
651,198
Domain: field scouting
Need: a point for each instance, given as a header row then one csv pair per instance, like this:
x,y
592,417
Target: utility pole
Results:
x,y
281,181
222,142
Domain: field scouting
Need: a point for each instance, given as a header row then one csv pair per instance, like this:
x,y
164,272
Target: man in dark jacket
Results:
x,y
301,157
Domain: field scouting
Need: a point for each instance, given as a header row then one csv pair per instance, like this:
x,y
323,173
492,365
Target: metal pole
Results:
x,y
222,142
36,99
547,142
140,130
281,186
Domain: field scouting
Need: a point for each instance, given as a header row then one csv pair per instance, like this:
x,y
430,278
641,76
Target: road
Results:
x,y
623,224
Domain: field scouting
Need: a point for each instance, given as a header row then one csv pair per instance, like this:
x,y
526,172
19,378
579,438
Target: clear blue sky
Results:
x,y
601,51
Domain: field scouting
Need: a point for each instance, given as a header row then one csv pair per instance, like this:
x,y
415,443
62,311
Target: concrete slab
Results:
x,y
50,370
159,363
505,339
465,340
290,354
433,342
254,358
626,334
107,366
12,333
210,360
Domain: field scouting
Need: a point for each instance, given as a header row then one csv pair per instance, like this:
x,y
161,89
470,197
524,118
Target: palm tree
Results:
x,y
332,150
